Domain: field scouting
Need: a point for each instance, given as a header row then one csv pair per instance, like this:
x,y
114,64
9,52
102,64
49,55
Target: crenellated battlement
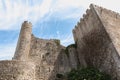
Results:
x,y
98,40
82,25
106,11
85,16
100,10
26,24
94,10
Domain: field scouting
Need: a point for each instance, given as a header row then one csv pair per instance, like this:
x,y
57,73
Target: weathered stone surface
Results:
x,y
97,37
23,46
44,54
61,65
73,59
48,56
17,70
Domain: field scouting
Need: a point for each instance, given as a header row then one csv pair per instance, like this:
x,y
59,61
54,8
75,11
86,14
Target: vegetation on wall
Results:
x,y
57,41
89,73
59,76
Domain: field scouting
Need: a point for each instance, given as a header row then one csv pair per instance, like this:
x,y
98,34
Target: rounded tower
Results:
x,y
24,41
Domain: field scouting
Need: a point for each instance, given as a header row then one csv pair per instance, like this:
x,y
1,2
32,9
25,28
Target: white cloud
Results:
x,y
109,4
7,51
66,4
13,13
67,39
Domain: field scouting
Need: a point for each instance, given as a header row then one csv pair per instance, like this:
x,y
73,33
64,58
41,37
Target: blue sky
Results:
x,y
50,19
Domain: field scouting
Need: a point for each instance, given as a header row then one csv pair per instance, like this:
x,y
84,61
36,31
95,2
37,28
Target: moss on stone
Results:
x,y
57,41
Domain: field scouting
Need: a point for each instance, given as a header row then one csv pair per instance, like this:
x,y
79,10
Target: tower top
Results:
x,y
26,23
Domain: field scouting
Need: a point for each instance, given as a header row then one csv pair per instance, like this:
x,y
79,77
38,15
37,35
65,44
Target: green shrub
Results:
x,y
59,75
87,74
57,41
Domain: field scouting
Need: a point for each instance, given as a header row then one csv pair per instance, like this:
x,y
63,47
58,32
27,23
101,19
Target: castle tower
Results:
x,y
98,40
23,45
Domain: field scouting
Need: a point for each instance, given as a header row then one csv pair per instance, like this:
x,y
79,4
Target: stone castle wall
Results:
x,y
44,54
17,70
48,56
95,42
111,22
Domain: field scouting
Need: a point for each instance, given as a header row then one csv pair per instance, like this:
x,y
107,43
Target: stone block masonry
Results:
x,y
24,41
97,36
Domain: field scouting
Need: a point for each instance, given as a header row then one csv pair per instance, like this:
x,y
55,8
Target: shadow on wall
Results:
x,y
66,60
61,65
99,52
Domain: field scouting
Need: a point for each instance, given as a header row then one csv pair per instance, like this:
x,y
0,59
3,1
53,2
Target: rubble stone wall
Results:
x,y
17,70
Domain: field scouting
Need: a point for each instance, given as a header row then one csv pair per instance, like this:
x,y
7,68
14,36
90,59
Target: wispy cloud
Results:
x,y
67,39
7,44
12,13
7,51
